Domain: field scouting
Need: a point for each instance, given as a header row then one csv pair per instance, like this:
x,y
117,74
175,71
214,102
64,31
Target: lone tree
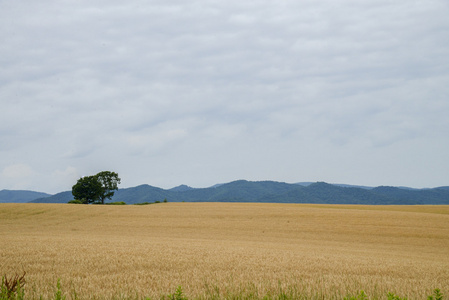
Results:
x,y
96,188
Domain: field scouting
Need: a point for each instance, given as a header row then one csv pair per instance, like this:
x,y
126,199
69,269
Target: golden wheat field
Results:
x,y
226,249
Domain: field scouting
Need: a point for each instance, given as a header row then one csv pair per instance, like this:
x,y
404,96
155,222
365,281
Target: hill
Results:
x,y
18,196
275,192
62,197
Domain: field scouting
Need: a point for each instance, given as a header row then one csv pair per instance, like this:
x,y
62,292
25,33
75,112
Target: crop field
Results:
x,y
226,250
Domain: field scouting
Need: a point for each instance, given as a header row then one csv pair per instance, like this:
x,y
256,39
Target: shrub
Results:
x,y
437,295
12,288
116,203
76,202
178,295
360,296
147,203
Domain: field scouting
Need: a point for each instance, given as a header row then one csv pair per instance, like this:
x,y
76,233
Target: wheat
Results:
x,y
317,251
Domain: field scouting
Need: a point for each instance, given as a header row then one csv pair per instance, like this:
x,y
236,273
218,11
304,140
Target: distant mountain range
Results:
x,y
14,196
259,191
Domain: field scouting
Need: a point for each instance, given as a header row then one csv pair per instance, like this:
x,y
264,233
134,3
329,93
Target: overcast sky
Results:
x,y
202,92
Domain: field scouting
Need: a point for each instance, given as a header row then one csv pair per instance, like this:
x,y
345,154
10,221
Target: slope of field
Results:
x,y
319,251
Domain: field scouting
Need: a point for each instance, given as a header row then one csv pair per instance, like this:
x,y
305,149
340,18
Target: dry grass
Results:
x,y
321,251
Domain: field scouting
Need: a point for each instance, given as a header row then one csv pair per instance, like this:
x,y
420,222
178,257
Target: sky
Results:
x,y
202,92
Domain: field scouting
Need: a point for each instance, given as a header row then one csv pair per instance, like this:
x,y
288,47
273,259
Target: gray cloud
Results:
x,y
201,92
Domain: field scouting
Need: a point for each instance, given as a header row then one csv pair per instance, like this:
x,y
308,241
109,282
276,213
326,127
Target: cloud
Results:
x,y
18,171
258,89
17,176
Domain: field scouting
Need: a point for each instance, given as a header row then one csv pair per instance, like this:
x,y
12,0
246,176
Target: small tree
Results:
x,y
96,188
87,190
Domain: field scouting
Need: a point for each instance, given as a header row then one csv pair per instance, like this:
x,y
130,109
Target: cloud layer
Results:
x,y
201,92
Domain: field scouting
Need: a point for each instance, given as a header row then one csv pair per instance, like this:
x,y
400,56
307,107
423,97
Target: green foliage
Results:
x,y
148,203
58,293
77,201
97,188
178,295
391,296
87,190
12,288
437,295
109,181
360,296
117,203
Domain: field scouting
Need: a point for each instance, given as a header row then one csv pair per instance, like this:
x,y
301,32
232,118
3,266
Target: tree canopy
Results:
x,y
95,188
